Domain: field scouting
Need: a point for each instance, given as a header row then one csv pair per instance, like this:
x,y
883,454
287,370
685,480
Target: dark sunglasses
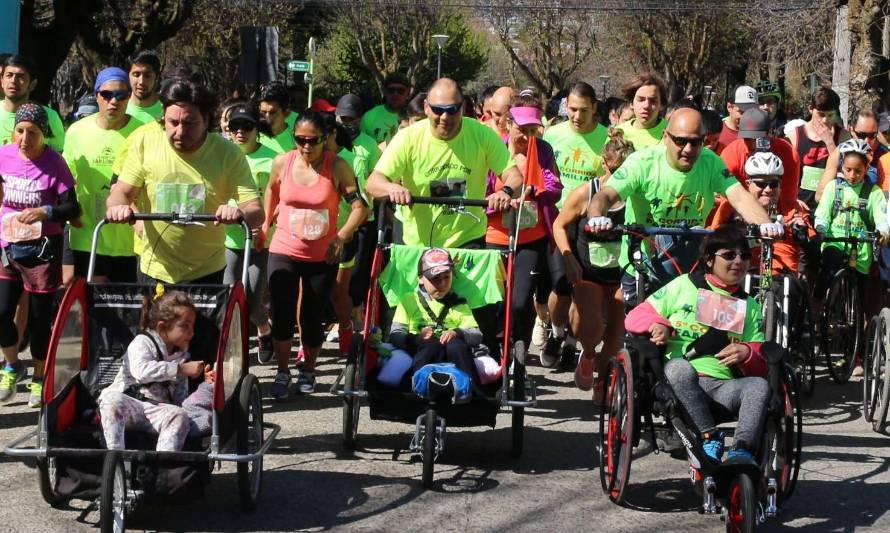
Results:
x,y
866,135
451,109
683,141
730,255
300,140
396,89
763,184
241,126
114,95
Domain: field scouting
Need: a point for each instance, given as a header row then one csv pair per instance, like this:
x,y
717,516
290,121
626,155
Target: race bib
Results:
x,y
604,254
721,312
12,230
811,178
180,198
308,224
528,216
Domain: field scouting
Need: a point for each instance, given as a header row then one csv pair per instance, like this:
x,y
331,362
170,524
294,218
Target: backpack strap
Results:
x,y
134,391
864,193
448,302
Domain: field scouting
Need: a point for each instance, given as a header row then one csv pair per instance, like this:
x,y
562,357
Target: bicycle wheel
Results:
x,y
770,315
840,324
741,505
429,448
881,379
874,351
617,421
802,343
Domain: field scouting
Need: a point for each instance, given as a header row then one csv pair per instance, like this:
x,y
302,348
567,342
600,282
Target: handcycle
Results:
x,y
513,390
92,330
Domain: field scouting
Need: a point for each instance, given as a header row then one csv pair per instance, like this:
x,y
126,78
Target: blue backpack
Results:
x,y
441,382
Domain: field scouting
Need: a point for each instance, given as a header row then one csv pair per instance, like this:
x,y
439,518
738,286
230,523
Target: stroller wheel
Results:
x,y
113,496
249,438
48,479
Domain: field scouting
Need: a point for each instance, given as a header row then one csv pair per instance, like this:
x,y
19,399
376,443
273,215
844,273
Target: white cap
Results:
x,y
745,97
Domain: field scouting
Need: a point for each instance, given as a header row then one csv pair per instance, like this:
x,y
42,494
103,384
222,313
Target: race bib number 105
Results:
x,y
721,312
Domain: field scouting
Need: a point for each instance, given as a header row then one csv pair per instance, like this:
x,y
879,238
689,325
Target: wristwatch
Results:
x,y
509,190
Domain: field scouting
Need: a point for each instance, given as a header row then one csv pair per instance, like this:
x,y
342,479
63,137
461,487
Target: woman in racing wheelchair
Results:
x,y
712,332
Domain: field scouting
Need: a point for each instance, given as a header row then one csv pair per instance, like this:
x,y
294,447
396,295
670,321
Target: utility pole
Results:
x,y
840,73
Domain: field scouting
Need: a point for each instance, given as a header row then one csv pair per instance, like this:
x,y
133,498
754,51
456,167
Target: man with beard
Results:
x,y
18,82
274,112
382,121
145,72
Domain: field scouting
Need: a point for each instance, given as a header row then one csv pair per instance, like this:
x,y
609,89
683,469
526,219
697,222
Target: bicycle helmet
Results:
x,y
764,164
768,88
855,146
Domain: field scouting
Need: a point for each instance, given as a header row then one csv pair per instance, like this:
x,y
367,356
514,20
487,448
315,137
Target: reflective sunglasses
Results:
x,y
300,140
730,255
241,126
865,135
695,142
451,109
763,184
114,95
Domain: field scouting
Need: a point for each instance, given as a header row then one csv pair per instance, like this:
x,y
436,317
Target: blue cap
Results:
x,y
111,74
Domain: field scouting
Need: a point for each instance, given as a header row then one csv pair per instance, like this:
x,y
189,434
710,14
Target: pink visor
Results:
x,y
526,115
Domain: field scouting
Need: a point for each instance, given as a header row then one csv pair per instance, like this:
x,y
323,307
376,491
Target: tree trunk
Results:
x,y
47,31
868,85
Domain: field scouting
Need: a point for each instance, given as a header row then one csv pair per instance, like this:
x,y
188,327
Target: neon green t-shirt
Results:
x,y
57,141
578,156
196,183
640,137
282,143
380,123
877,211
91,152
260,163
291,120
659,195
459,167
677,302
411,313
148,114
366,147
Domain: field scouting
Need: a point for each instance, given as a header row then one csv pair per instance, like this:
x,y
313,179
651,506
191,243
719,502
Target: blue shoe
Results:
x,y
713,447
740,454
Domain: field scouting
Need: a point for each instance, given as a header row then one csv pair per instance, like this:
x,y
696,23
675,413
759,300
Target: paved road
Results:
x,y
312,484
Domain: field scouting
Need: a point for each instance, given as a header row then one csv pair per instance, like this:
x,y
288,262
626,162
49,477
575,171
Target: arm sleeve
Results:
x,y
67,207
144,365
641,317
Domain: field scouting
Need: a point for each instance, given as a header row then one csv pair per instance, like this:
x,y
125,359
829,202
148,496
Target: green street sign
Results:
x,y
298,66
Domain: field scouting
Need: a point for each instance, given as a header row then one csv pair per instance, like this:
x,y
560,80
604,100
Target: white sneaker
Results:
x,y
333,335
540,333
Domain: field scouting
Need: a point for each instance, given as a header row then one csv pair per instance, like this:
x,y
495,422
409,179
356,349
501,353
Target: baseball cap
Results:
x,y
745,97
523,115
245,113
768,88
320,104
435,261
349,105
754,124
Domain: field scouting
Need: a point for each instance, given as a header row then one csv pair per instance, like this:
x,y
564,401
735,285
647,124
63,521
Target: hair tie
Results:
x,y
159,292
526,92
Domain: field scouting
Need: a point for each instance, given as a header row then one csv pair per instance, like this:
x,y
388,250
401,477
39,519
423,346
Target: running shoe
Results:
x,y
333,335
551,352
281,386
540,333
265,353
35,399
568,356
739,454
584,372
306,382
9,378
714,446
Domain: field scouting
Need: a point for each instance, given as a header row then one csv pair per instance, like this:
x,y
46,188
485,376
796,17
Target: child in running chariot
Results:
x,y
150,391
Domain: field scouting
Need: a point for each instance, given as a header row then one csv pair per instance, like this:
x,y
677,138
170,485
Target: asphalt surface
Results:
x,y
313,484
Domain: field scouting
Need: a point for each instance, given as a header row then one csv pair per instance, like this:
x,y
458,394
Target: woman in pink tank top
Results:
x,y
302,200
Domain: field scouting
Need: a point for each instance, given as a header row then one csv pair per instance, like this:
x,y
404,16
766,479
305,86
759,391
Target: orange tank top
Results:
x,y
307,214
532,225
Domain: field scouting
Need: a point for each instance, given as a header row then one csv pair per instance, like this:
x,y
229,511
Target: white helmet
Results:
x,y
764,164
855,146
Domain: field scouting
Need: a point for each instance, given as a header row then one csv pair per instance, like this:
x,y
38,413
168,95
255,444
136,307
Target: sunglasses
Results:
x,y
683,141
451,109
763,184
241,126
114,95
300,140
396,89
866,135
730,255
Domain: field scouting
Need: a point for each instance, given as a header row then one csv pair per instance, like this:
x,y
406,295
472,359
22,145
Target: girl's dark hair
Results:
x,y
730,235
711,121
167,307
415,106
342,137
186,91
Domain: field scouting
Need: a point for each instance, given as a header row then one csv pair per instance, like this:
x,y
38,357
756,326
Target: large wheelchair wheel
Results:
x,y
874,352
802,348
786,437
841,323
428,448
113,495
881,379
47,480
771,317
741,505
518,413
617,421
249,439
351,406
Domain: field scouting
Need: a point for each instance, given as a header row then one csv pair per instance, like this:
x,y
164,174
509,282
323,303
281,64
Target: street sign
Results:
x,y
298,66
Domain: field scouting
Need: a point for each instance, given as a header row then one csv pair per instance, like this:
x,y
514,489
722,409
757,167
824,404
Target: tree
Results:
x,y
547,45
868,67
369,41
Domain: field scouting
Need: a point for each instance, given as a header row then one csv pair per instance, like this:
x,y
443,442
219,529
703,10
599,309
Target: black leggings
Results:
x,y
530,264
40,317
285,276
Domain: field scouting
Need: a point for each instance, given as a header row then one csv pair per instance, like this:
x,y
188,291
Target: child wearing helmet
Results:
x,y
853,202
